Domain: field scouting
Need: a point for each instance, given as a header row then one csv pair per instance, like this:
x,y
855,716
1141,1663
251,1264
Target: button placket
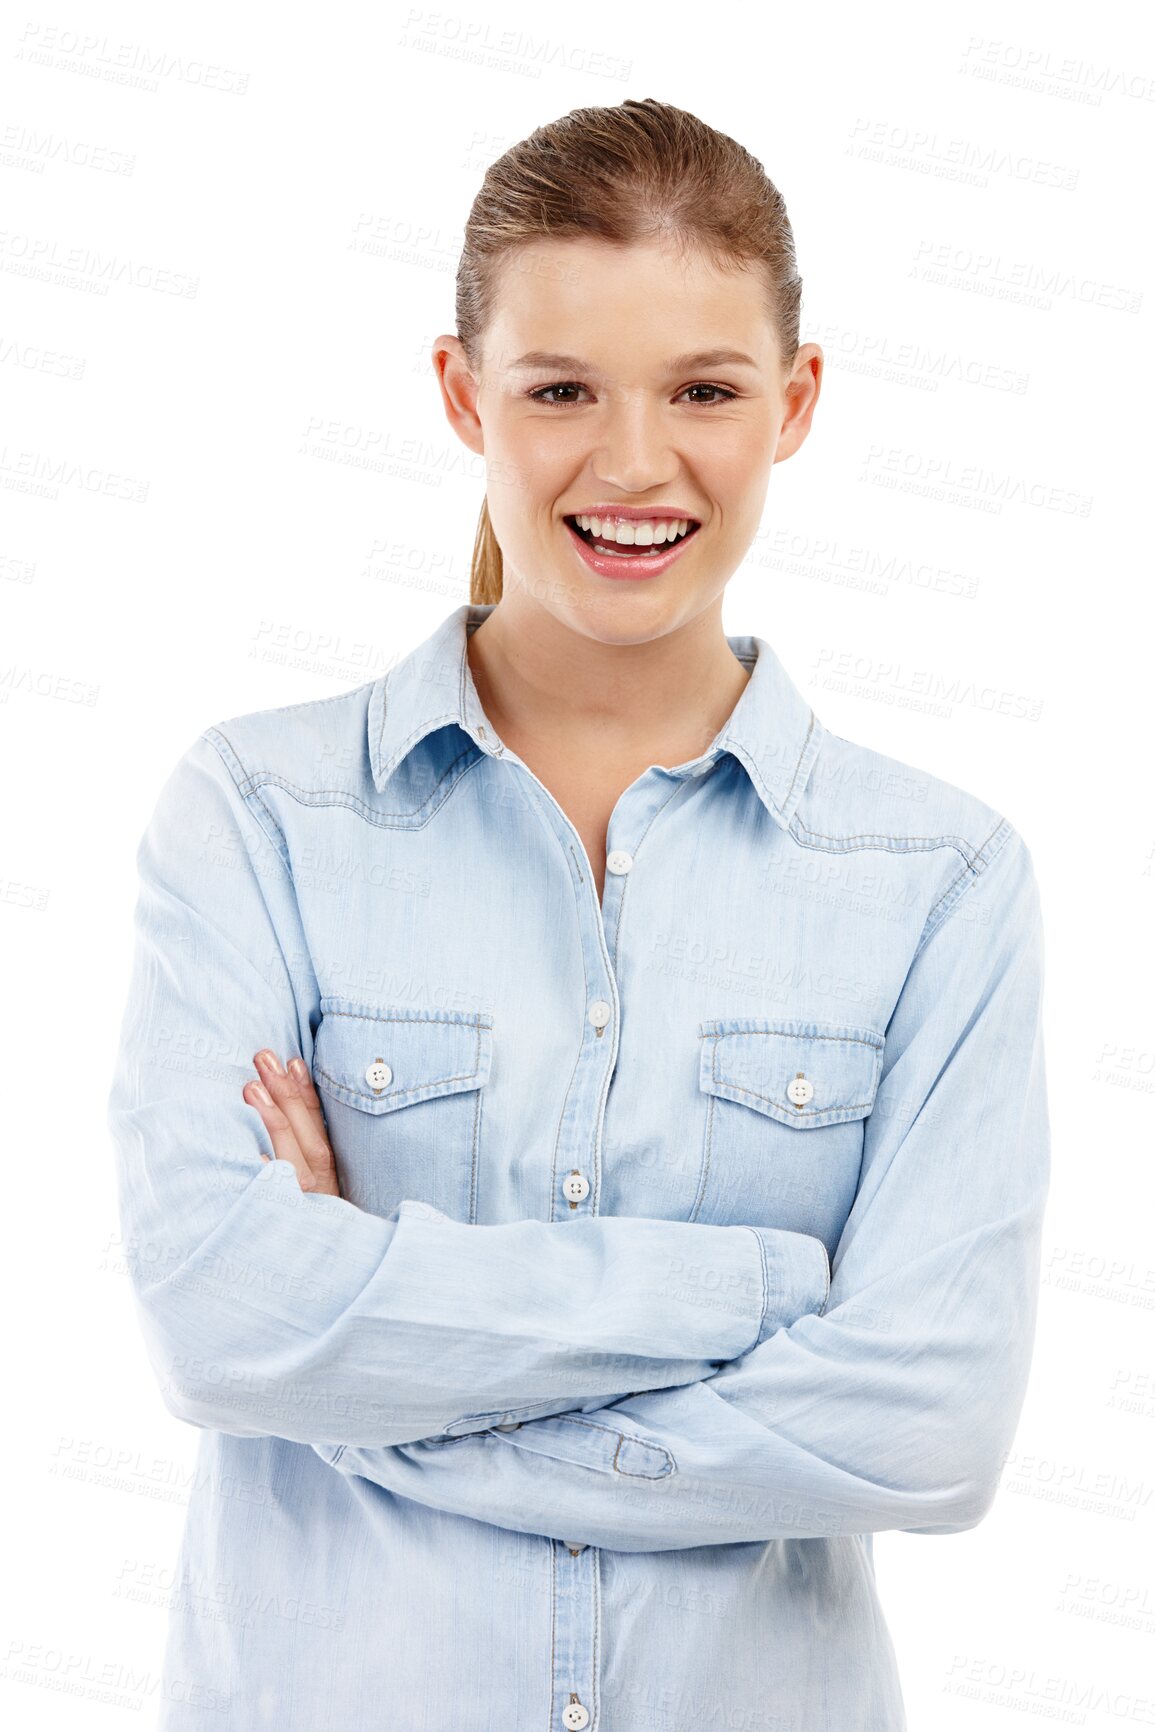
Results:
x,y
575,1578
585,1099
576,1570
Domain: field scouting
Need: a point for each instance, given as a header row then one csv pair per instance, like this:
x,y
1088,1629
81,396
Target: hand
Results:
x,y
291,1113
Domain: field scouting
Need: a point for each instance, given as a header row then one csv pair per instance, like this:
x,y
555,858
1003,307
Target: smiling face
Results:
x,y
626,377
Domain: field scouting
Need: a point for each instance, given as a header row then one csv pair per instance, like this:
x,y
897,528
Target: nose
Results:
x,y
633,445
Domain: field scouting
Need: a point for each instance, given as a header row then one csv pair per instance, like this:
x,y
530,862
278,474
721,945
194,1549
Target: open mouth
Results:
x,y
648,549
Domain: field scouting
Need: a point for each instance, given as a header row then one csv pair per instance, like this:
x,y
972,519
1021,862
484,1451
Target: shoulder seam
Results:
x,y
243,782
990,850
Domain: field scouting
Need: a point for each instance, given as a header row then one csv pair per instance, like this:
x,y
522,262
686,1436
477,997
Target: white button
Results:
x,y
600,1012
576,1186
378,1075
619,861
574,1546
575,1716
515,1425
800,1090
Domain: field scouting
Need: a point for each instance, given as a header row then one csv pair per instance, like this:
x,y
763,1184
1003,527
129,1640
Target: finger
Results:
x,y
286,1092
299,1102
307,1093
281,1133
314,1141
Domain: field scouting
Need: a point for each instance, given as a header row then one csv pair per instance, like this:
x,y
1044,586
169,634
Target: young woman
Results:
x,y
639,1205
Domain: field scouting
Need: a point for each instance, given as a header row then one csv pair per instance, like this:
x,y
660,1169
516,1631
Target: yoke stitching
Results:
x,y
353,802
806,837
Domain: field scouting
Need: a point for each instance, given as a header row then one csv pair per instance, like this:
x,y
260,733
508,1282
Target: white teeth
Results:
x,y
628,533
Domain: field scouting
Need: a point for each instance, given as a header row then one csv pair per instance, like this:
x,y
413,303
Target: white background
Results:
x,y
246,494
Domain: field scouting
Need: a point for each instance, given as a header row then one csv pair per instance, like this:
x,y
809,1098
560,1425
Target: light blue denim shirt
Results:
x,y
686,1240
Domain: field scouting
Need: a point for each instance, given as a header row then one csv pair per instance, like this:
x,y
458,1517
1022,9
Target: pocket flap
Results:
x,y
379,1057
801,1073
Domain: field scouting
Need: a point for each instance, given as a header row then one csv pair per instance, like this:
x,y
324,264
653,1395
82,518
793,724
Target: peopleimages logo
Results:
x,y
892,682
1069,77
914,147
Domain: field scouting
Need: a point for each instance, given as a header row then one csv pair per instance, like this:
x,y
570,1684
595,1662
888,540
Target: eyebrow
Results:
x,y
679,364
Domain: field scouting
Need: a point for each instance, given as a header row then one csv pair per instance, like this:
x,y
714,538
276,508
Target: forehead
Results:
x,y
588,298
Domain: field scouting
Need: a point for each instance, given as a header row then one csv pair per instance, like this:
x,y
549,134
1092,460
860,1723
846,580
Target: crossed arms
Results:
x,y
649,1419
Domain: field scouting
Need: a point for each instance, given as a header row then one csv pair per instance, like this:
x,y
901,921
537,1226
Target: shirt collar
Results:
x,y
772,730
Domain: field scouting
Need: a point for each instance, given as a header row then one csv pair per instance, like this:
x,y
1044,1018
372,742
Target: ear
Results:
x,y
802,391
459,389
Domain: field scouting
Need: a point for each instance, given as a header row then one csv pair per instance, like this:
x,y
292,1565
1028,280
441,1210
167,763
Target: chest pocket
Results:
x,y
783,1111
403,1092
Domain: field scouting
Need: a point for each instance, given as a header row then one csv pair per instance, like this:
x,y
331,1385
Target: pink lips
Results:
x,y
635,565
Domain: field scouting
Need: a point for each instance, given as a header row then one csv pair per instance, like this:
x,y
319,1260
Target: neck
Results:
x,y
539,680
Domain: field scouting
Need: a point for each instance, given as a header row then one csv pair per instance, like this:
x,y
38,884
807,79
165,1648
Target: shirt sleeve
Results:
x,y
269,1311
894,1406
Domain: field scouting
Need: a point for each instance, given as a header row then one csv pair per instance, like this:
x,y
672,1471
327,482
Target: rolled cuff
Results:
x,y
796,1268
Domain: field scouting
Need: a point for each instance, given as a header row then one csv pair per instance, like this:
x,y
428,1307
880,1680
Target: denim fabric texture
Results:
x,y
686,1239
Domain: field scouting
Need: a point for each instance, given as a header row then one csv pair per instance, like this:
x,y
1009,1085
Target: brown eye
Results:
x,y
726,395
540,395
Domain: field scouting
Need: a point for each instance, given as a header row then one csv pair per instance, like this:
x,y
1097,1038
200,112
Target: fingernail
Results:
x,y
262,1094
297,1066
272,1061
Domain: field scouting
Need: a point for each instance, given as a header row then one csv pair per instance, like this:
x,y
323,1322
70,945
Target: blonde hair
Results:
x,y
621,175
